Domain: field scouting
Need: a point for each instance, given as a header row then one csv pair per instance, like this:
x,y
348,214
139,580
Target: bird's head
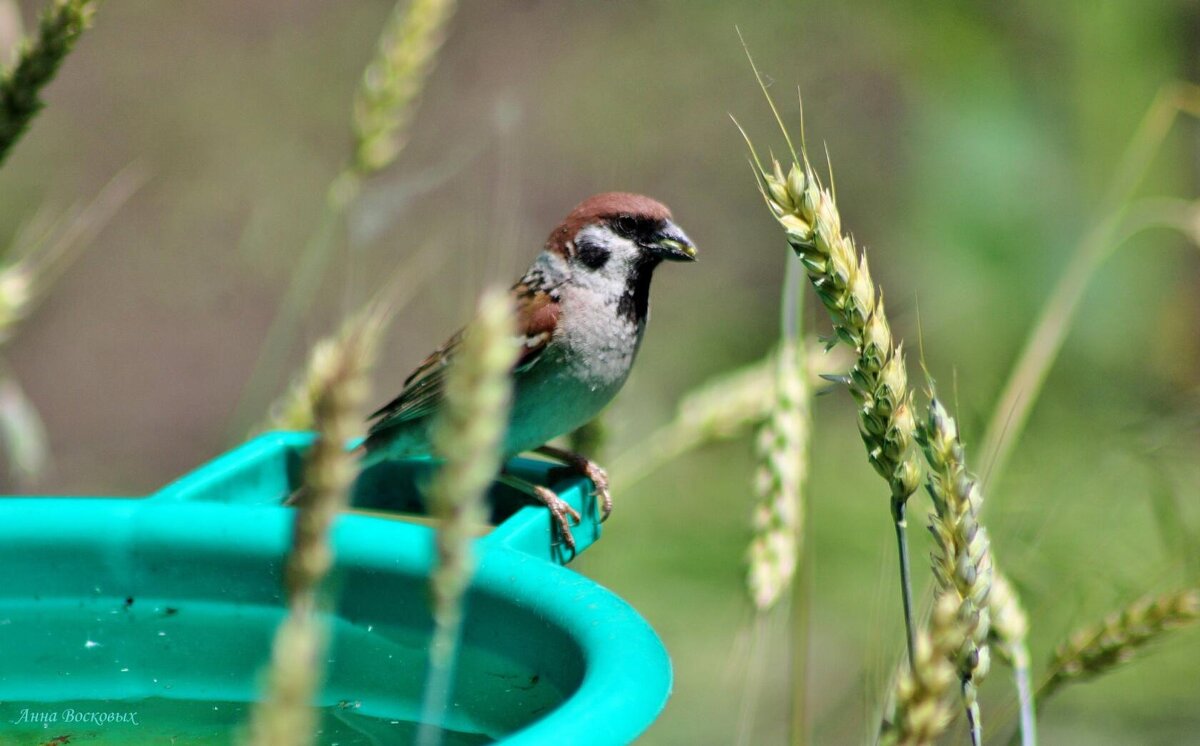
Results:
x,y
620,235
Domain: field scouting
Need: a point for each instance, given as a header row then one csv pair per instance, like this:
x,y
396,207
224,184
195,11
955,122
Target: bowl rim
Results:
x,y
627,676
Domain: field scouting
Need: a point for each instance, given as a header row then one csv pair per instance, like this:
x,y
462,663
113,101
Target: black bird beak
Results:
x,y
672,244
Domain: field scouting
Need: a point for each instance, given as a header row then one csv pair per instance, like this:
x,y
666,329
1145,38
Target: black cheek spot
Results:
x,y
592,256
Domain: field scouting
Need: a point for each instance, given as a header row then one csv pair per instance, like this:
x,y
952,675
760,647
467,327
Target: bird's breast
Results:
x,y
598,347
579,374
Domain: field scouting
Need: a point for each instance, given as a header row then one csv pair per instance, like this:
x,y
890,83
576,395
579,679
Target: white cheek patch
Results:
x,y
623,253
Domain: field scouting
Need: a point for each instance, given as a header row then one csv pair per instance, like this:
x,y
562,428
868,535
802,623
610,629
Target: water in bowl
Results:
x,y
120,671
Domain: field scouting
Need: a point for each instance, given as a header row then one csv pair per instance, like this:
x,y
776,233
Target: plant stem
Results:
x,y
791,327
898,511
973,721
1021,675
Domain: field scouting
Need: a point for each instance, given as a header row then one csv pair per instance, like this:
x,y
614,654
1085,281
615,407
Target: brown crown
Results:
x,y
601,207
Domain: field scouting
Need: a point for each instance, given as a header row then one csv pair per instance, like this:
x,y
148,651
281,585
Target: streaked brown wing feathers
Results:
x,y
537,317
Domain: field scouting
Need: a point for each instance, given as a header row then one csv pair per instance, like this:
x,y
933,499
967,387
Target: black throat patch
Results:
x,y
634,305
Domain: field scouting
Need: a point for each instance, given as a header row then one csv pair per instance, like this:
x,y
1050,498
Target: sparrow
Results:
x,y
581,311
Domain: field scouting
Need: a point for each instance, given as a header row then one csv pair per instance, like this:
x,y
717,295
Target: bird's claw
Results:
x,y
590,469
562,512
599,478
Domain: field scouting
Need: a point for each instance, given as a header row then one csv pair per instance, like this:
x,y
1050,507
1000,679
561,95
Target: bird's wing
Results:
x,y
536,311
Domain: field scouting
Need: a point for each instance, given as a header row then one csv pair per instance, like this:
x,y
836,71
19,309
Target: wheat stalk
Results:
x,y
921,703
467,436
340,388
37,63
962,563
878,380
44,248
1097,649
839,273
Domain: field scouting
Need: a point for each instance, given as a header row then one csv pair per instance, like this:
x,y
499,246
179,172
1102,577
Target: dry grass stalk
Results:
x,y
37,63
467,436
921,704
340,388
782,451
383,106
878,380
1094,650
962,563
339,394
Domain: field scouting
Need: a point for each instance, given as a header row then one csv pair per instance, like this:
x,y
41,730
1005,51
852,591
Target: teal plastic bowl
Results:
x,y
148,621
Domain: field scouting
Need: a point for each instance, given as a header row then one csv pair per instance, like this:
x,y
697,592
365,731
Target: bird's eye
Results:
x,y
625,225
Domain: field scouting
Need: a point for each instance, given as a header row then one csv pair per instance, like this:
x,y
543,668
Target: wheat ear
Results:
x,y
37,63
878,380
1097,649
962,563
921,703
467,436
296,409
383,106
782,451
340,388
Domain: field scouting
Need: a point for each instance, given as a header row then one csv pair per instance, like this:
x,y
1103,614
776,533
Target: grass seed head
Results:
x,y
339,389
338,382
467,436
962,564
392,82
781,449
1097,649
922,705
839,273
1010,623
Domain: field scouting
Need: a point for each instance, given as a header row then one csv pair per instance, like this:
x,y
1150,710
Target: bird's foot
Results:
x,y
560,509
562,512
589,469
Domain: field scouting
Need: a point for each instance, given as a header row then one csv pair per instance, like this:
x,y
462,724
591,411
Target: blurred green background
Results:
x,y
970,141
